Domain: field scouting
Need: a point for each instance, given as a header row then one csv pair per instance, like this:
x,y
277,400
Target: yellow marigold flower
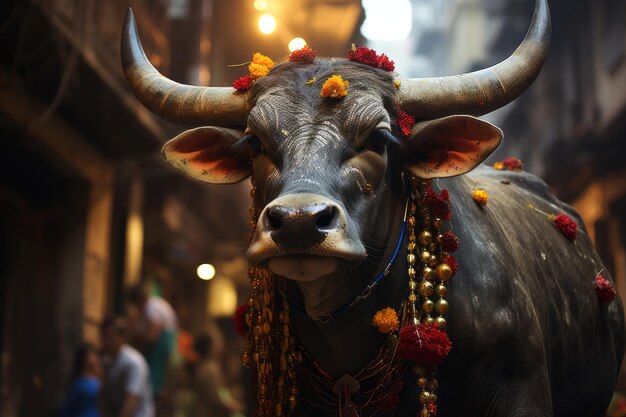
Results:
x,y
335,87
396,83
261,59
498,165
258,70
480,196
386,320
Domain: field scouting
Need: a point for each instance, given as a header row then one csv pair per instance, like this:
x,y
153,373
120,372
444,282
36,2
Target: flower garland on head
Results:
x,y
369,57
304,54
259,67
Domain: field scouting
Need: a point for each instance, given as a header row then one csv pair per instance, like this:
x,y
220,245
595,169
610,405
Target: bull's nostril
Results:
x,y
326,218
274,222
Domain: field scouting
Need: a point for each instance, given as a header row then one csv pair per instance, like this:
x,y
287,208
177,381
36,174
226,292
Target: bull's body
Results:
x,y
529,336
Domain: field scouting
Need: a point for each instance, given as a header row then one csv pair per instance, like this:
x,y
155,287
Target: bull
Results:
x,y
530,337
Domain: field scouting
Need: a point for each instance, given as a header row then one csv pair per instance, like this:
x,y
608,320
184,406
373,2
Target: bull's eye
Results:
x,y
378,141
253,142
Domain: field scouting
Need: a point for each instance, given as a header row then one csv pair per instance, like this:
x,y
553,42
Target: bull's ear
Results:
x,y
449,146
207,154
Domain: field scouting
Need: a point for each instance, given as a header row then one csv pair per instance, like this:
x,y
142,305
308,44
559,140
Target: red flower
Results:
x,y
370,57
304,54
239,320
364,55
439,205
512,164
384,63
450,242
423,344
405,122
566,225
451,261
432,407
604,289
243,84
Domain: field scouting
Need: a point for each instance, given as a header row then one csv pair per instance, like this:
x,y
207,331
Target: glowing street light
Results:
x,y
296,43
267,24
205,271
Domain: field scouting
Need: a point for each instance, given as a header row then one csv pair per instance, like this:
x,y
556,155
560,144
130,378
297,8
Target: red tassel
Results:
x,y
405,122
604,289
451,261
239,320
423,344
566,225
439,205
450,242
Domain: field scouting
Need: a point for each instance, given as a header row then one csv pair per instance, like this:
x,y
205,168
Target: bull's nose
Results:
x,y
301,227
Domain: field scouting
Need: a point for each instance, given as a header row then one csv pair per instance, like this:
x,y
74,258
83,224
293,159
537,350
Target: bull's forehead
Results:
x,y
281,116
290,109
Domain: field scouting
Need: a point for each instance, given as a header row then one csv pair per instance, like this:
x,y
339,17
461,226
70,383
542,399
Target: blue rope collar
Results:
x,y
325,318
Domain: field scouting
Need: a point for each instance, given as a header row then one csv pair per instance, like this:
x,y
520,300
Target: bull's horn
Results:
x,y
178,103
480,92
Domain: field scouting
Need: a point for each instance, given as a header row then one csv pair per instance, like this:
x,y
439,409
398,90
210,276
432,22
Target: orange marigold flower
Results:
x,y
258,70
386,320
480,196
261,59
335,87
498,165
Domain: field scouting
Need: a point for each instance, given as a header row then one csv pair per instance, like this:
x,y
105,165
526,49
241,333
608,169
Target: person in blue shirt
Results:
x,y
82,399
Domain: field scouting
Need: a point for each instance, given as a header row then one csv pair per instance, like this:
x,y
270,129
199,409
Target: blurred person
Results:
x,y
214,398
127,391
82,398
155,333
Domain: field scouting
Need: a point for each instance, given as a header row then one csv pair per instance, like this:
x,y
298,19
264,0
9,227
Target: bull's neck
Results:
x,y
348,342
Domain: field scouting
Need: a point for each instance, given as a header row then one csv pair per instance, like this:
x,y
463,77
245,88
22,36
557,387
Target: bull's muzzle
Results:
x,y
305,229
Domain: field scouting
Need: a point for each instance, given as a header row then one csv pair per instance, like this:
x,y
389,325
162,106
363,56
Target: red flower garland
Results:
x,y
566,226
369,57
385,64
604,289
239,320
439,205
451,261
304,54
423,344
405,122
243,84
450,242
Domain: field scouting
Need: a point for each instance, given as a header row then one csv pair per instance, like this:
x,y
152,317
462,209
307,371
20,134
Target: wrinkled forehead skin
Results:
x,y
307,137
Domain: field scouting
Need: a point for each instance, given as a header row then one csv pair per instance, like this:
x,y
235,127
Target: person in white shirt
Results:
x,y
126,390
156,330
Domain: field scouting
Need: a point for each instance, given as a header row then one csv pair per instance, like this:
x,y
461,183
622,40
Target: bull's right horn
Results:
x,y
178,103
483,91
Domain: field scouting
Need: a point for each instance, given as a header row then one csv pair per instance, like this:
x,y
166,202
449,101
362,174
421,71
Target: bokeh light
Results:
x,y
205,271
296,43
267,24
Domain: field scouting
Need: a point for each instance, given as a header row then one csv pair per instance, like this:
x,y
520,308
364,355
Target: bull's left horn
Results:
x,y
178,103
483,91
